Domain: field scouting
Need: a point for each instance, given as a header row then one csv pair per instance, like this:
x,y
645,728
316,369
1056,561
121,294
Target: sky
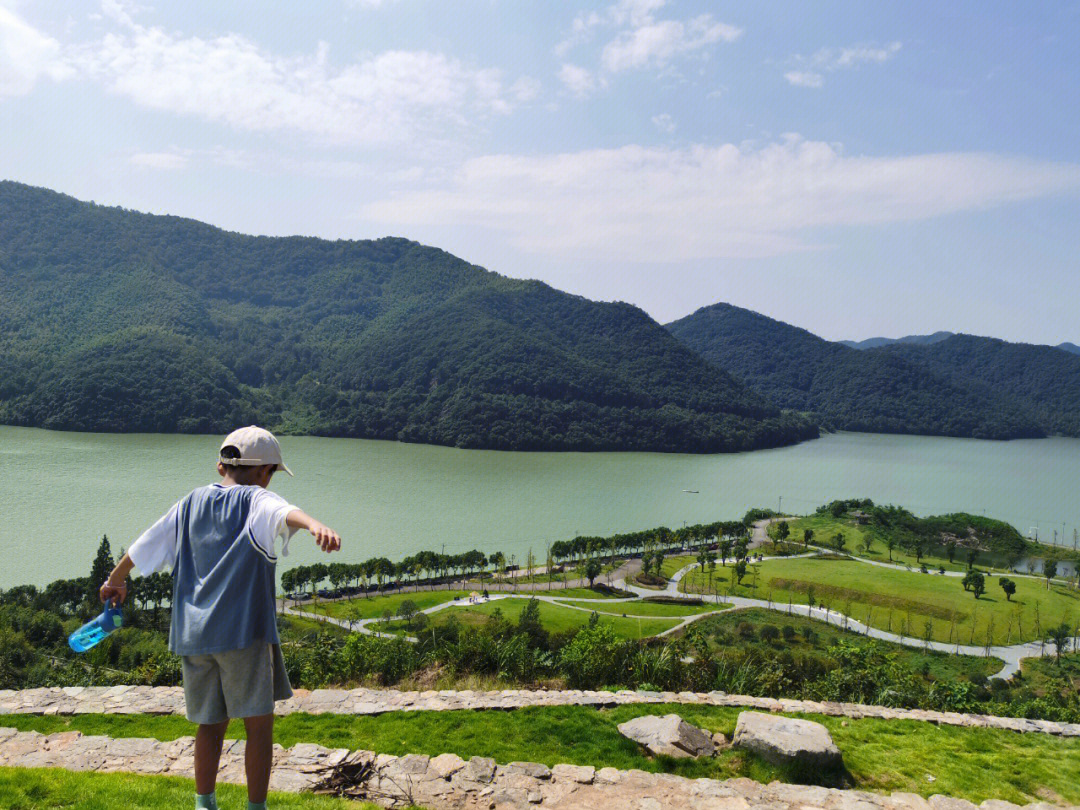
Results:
x,y
857,169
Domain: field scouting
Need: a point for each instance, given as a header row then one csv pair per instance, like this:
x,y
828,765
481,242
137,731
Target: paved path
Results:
x,y
1010,655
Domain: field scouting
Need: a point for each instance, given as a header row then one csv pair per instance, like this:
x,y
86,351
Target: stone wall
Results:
x,y
170,700
447,782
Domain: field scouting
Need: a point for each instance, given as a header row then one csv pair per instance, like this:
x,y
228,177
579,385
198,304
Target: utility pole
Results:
x,y
780,504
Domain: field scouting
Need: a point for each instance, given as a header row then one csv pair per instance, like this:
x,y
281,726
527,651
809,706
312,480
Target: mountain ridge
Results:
x,y
115,320
960,385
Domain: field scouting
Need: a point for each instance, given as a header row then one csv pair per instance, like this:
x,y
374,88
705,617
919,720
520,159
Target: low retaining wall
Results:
x,y
170,700
447,782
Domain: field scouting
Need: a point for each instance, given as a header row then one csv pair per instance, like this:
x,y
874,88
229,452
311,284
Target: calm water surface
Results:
x,y
59,492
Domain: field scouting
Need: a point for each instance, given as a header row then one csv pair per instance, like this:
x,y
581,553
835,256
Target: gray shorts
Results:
x,y
236,683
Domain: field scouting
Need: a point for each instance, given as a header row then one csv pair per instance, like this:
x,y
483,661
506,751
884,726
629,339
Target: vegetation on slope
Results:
x,y
877,390
112,320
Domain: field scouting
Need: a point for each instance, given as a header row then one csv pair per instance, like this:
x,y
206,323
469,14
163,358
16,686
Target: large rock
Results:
x,y
670,735
783,740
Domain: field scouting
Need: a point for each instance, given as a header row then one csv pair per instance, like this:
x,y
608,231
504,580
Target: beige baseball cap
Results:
x,y
257,446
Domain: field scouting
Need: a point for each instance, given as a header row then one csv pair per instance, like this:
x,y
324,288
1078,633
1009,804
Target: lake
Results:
x,y
60,492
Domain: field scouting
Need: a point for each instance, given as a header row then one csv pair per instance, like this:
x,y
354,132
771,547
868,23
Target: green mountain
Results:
x,y
886,390
112,320
878,342
1043,381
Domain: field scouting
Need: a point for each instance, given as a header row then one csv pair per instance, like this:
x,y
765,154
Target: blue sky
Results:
x,y
854,168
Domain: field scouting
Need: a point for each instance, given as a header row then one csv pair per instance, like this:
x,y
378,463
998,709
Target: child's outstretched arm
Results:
x,y
325,537
115,588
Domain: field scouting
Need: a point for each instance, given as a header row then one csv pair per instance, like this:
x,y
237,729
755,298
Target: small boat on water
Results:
x,y
691,491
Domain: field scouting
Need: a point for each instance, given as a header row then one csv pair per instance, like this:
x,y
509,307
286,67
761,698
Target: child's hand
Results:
x,y
325,537
114,594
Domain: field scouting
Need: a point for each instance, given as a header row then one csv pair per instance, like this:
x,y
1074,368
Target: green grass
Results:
x,y
672,565
890,597
971,763
373,607
639,607
826,527
26,788
555,618
723,630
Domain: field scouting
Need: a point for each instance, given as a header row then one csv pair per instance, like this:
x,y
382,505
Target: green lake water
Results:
x,y
59,492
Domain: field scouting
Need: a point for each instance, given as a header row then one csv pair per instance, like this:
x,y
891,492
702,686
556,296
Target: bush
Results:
x,y
788,632
769,633
745,630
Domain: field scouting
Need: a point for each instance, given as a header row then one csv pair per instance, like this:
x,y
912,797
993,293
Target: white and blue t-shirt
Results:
x,y
219,541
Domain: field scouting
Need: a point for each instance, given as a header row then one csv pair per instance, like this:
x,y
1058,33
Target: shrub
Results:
x,y
745,630
769,633
788,632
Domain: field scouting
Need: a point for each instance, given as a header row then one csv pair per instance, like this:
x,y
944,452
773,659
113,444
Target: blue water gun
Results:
x,y
96,629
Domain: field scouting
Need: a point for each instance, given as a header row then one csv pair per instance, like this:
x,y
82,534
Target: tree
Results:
x,y
1008,586
1049,571
592,570
972,556
950,550
407,611
725,550
974,581
783,530
867,543
740,571
529,623
890,542
1060,636
702,560
807,536
839,541
99,571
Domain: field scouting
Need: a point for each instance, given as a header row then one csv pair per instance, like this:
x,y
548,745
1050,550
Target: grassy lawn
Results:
x,y
555,618
723,631
971,763
905,601
672,565
26,788
373,607
1050,674
639,607
825,527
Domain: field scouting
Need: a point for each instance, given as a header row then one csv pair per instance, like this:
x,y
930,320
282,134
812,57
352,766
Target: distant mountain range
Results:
x,y
878,342
945,384
112,320
926,340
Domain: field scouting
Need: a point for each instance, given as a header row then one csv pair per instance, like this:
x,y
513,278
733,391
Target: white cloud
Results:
x,y
642,204
641,39
26,55
664,123
578,80
387,97
804,78
657,42
809,72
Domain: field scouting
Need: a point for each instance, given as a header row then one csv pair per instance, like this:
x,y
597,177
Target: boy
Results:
x,y
219,541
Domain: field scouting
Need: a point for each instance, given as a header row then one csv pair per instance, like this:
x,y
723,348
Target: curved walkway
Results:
x,y
1011,655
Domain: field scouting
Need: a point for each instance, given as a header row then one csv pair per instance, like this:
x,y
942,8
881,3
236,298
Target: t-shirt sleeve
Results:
x,y
156,547
266,519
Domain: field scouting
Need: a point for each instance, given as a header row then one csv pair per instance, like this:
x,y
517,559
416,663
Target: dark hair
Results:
x,y
241,473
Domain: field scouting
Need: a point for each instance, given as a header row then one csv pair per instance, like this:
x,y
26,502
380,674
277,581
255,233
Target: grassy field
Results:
x,y
672,565
903,601
826,527
723,631
26,788
555,618
559,592
373,607
971,763
639,607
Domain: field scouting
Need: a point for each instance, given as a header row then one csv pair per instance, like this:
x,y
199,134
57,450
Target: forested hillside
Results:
x,y
894,389
1042,380
112,320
